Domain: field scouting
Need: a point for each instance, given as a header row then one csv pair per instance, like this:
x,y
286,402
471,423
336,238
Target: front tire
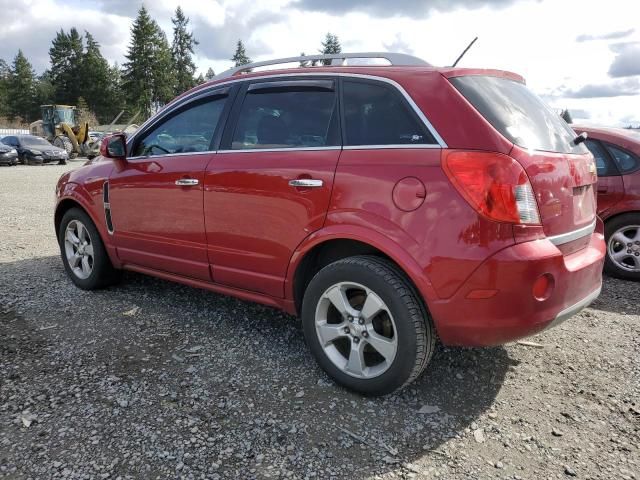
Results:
x,y
366,325
622,235
83,254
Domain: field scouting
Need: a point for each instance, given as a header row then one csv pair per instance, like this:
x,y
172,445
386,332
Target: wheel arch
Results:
x,y
326,247
618,214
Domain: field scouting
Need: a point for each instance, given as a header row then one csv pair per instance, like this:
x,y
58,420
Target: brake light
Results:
x,y
494,184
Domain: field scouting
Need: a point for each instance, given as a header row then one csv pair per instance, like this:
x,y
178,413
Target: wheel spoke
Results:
x,y
620,255
74,261
88,249
338,299
372,306
384,346
70,237
620,238
82,232
356,364
328,332
636,262
636,237
86,268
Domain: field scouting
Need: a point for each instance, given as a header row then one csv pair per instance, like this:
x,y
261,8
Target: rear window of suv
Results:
x,y
518,114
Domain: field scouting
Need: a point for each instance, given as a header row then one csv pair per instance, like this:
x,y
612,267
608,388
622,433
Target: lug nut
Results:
x,y
356,340
346,329
637,254
361,321
350,318
365,334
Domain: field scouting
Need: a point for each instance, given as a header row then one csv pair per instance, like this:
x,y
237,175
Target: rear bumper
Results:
x,y
497,304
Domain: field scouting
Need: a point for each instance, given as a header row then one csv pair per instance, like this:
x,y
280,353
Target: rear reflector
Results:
x,y
494,184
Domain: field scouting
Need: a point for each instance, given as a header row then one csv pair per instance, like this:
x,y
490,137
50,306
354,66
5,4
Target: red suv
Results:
x,y
385,205
617,154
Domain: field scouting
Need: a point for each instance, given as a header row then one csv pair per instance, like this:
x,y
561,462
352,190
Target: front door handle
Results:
x,y
187,182
305,183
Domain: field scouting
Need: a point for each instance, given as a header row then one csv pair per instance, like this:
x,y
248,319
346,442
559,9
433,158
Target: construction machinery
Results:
x,y
60,126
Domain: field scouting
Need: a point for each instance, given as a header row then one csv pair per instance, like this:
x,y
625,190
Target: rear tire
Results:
x,y
622,234
83,254
371,353
63,142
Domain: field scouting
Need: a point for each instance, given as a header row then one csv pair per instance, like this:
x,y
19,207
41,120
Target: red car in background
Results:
x,y
617,154
384,205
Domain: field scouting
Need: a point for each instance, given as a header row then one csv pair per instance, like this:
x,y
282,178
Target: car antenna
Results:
x,y
463,52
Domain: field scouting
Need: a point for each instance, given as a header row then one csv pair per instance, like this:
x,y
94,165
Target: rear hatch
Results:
x,y
562,174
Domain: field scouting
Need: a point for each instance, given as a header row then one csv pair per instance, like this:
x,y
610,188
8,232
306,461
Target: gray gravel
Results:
x,y
155,380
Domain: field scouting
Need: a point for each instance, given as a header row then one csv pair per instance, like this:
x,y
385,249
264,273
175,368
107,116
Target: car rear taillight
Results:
x,y
494,184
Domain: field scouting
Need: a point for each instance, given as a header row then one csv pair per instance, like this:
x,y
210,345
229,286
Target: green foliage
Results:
x,y
66,57
182,51
330,45
5,72
210,74
148,77
21,90
240,57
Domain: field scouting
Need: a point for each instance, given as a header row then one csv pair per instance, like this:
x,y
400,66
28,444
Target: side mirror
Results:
x,y
114,146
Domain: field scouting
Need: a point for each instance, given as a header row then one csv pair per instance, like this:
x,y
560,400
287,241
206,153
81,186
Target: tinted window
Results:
x,y
10,141
286,118
603,163
190,130
518,114
626,161
34,142
378,115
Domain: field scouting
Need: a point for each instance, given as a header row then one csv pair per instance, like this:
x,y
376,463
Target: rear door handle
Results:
x,y
305,183
187,182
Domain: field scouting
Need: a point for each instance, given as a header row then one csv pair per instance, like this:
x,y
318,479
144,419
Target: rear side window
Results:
x,y
376,114
518,114
603,161
189,130
287,115
626,161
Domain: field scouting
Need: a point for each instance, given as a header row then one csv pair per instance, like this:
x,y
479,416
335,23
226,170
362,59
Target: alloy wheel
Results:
x,y
623,248
78,249
356,330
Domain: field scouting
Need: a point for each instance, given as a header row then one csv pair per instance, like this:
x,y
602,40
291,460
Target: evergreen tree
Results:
x,y
304,63
210,74
330,45
5,73
21,90
200,79
95,79
148,75
182,51
66,58
240,57
45,91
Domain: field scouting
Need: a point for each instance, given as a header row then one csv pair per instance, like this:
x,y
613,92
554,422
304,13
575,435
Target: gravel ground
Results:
x,y
155,380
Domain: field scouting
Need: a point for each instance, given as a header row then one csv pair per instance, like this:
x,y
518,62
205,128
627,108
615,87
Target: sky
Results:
x,y
583,55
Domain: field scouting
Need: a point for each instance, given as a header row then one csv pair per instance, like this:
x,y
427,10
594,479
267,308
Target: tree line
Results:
x,y
155,71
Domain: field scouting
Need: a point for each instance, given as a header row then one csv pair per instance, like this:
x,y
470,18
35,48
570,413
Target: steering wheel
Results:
x,y
150,148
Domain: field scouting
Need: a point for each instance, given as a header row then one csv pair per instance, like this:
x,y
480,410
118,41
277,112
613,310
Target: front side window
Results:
x,y
376,114
603,163
626,161
286,117
11,141
189,130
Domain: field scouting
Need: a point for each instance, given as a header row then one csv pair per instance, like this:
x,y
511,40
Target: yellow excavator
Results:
x,y
59,125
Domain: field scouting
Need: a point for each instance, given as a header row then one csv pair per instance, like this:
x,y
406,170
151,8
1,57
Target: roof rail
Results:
x,y
337,59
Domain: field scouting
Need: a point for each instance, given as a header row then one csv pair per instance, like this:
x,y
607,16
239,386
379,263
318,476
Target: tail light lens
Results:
x,y
494,184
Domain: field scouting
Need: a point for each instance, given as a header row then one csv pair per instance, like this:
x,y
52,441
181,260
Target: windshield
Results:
x,y
34,142
518,114
65,115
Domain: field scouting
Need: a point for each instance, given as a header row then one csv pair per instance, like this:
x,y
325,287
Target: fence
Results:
x,y
13,131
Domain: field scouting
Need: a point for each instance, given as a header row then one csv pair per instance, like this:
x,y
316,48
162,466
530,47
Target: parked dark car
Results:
x,y
32,149
8,155
617,154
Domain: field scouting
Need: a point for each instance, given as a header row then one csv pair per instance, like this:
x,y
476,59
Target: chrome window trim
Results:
x,y
400,145
181,154
573,235
283,149
207,90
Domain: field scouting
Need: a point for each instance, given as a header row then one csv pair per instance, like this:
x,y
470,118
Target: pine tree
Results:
x,y
240,57
304,63
94,78
5,73
21,90
330,45
210,74
66,56
182,51
148,75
